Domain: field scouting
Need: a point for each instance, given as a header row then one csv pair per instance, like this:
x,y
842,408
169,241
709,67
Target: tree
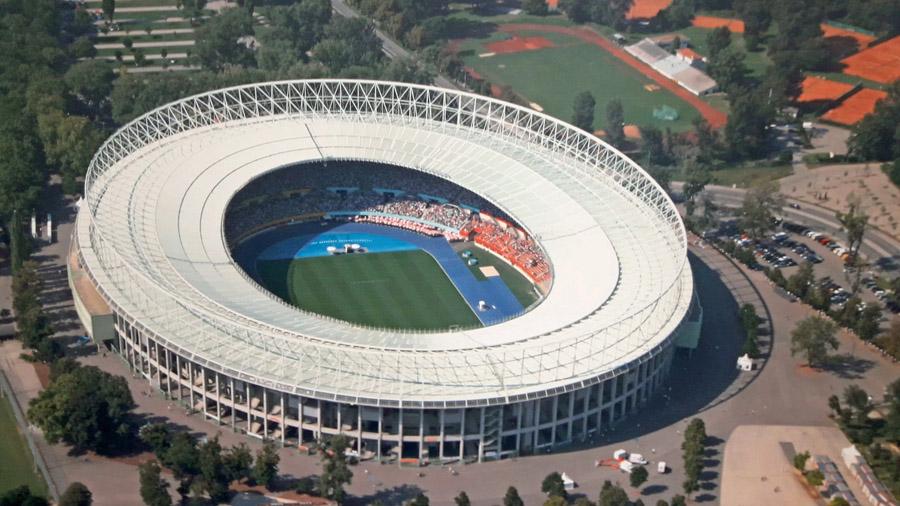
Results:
x,y
214,478
858,401
890,340
874,137
838,501
583,115
237,462
182,457
157,436
717,40
800,461
265,469
812,337
21,496
128,42
109,9
87,408
653,146
154,489
757,214
638,476
746,133
696,178
801,282
579,11
83,47
419,500
535,7
868,325
348,42
555,501
336,472
553,485
219,41
612,495
462,499
293,31
814,477
854,222
615,122
76,494
892,420
512,498
727,67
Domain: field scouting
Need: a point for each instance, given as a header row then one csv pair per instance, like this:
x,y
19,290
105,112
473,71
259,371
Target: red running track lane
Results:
x,y
715,117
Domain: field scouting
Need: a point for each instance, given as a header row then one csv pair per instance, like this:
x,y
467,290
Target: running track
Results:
x,y
715,117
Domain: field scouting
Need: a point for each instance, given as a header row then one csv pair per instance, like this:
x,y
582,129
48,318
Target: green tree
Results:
x,y
265,468
462,499
21,496
679,500
583,111
838,501
555,501
800,460
219,41
83,47
237,462
727,67
858,401
348,42
336,472
814,477
512,498
76,494
638,476
892,420
757,213
109,9
615,122
157,436
553,485
875,136
746,133
214,477
854,223
653,146
293,31
801,282
696,178
812,337
535,7
419,500
579,11
612,495
154,489
182,457
87,408
717,40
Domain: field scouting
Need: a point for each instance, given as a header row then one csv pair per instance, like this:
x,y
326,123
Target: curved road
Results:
x,y
876,244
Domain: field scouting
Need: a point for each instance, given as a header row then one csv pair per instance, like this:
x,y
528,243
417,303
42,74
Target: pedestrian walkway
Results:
x,y
162,43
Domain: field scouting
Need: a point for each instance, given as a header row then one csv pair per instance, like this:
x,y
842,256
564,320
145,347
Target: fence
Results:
x,y
36,456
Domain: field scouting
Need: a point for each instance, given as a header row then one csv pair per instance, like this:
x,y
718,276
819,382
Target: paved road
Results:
x,y
876,244
390,48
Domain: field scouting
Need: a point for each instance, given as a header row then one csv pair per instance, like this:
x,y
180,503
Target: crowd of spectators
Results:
x,y
436,207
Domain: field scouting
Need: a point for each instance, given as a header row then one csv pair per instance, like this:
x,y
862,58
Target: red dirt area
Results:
x,y
735,25
715,117
879,63
830,32
518,44
855,107
553,4
646,9
818,89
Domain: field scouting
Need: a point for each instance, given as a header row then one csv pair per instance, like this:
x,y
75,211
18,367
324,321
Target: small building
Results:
x,y
745,363
619,38
691,57
696,81
647,51
671,41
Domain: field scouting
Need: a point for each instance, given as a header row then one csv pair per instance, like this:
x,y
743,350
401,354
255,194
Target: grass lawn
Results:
x,y
518,284
16,467
744,177
402,290
552,77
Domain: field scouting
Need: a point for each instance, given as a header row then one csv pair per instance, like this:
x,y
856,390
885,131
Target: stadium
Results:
x,y
438,275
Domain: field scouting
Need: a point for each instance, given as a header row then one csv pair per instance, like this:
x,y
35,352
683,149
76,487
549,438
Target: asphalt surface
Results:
x,y
879,247
390,48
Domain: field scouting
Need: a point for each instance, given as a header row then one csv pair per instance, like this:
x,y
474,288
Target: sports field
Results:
x,y
16,467
401,290
537,75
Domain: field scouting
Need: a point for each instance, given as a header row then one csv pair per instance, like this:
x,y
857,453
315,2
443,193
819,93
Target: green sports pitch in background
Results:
x,y
399,290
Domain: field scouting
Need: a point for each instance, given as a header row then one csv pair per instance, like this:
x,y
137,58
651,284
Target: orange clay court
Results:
x,y
817,89
879,63
518,44
855,108
646,9
735,25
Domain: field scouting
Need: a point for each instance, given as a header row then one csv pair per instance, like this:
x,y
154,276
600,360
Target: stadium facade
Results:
x,y
153,276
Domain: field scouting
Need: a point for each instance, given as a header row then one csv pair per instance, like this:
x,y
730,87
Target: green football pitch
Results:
x,y
399,290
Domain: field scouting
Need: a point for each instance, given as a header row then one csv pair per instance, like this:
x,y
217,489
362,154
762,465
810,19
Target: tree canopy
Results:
x,y
812,337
